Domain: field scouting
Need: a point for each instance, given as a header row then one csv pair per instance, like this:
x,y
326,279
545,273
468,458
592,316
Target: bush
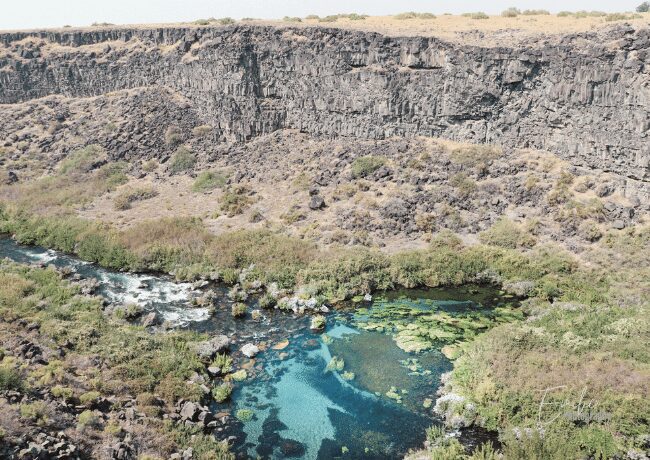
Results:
x,y
226,21
222,392
235,200
643,7
476,15
36,412
357,17
209,180
364,166
10,379
173,136
182,160
238,310
87,419
89,397
506,234
535,12
126,198
202,131
291,19
59,391
511,12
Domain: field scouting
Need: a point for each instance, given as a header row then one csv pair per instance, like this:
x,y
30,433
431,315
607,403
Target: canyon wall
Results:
x,y
585,96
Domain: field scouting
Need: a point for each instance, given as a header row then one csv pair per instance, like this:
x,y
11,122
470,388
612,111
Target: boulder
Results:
x,y
190,411
151,319
209,348
317,202
249,350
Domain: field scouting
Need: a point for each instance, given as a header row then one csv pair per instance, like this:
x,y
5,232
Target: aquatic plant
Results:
x,y
318,323
239,375
348,375
417,326
335,364
393,393
245,415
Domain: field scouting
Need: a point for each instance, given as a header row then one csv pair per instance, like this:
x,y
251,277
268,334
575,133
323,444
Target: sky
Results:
x,y
24,14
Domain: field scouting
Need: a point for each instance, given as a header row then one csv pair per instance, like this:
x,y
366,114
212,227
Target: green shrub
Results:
x,y
226,21
291,19
267,301
59,391
643,7
89,397
209,180
222,392
182,160
506,234
364,166
357,17
223,362
463,183
10,379
87,419
36,412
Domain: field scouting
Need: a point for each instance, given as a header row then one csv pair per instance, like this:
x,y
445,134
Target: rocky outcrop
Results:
x,y
584,96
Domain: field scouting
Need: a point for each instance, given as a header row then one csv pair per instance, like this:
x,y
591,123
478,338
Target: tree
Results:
x,y
643,7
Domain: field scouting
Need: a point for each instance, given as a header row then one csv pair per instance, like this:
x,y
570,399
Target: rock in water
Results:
x,y
249,350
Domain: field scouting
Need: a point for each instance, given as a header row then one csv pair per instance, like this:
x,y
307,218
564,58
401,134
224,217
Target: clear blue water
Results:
x,y
301,409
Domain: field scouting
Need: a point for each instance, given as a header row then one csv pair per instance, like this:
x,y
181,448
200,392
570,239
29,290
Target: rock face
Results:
x,y
584,96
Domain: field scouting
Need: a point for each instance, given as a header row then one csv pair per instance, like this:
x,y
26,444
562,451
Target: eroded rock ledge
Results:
x,y
584,96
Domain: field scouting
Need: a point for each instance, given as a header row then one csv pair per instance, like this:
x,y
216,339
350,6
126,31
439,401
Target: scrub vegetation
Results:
x,y
121,361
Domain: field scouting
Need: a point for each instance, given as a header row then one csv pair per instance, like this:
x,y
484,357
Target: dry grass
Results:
x,y
452,27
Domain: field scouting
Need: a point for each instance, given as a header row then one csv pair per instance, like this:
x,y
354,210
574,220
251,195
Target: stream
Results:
x,y
356,390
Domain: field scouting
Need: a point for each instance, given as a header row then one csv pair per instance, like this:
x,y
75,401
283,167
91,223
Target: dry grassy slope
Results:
x,y
425,186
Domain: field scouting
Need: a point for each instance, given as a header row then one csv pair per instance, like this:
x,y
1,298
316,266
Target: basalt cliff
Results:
x,y
585,97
